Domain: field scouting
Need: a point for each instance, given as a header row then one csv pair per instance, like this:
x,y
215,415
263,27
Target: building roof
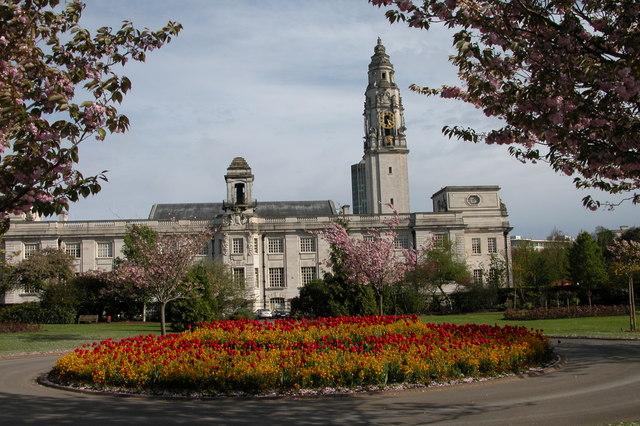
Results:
x,y
239,163
268,209
454,188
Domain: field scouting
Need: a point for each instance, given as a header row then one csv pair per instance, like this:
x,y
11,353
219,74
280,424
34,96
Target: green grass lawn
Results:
x,y
56,337
612,327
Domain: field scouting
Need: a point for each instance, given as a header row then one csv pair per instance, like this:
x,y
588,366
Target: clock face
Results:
x,y
387,120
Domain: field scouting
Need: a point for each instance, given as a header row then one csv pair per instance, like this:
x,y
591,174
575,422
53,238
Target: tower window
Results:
x,y
239,193
384,75
391,202
390,170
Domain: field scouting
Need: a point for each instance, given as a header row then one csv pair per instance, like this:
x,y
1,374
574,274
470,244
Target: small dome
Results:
x,y
239,163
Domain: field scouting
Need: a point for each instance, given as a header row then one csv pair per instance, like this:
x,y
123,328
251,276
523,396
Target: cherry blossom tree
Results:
x,y
59,86
372,260
626,261
563,76
159,271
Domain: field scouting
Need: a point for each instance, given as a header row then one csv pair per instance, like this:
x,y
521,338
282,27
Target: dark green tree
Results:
x,y
438,267
217,295
586,264
43,269
631,234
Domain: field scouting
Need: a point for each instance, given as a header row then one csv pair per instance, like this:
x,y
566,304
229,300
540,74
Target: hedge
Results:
x,y
566,312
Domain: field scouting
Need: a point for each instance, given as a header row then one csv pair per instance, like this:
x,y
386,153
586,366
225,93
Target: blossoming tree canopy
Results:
x,y
372,260
562,75
160,270
59,87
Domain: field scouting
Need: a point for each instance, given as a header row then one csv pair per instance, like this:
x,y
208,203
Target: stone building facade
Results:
x,y
274,245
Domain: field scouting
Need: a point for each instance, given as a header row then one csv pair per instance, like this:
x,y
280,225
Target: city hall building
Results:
x,y
274,245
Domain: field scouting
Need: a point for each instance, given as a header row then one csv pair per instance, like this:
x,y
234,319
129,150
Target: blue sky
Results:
x,y
282,83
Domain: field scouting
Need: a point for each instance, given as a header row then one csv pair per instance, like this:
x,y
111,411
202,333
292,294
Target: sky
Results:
x,y
281,83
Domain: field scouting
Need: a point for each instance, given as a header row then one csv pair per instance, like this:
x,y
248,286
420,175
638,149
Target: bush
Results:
x,y
16,327
34,313
219,296
566,312
333,297
242,313
479,298
406,298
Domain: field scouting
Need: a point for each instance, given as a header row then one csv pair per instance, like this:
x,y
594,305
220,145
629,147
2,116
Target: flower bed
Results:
x,y
565,312
257,357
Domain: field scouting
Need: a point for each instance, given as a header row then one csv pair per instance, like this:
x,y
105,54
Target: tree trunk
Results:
x,y
163,327
632,305
144,312
589,296
380,301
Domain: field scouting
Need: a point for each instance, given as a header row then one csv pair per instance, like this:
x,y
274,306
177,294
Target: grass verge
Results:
x,y
608,327
58,337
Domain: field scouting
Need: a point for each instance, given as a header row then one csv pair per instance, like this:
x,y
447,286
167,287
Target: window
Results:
x,y
220,246
257,277
475,246
401,241
384,75
390,170
238,275
105,249
237,246
204,250
492,246
239,193
368,238
391,202
477,276
473,200
256,245
308,274
439,240
277,303
276,277
276,245
73,250
307,244
30,248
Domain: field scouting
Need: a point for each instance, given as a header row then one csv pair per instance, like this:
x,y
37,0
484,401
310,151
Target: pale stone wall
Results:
x,y
419,230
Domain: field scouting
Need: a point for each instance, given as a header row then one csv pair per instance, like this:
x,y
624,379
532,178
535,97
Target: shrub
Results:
x,y
218,296
565,312
34,313
479,298
333,297
16,327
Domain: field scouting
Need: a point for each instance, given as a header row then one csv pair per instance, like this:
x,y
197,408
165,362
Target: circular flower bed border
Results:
x,y
287,357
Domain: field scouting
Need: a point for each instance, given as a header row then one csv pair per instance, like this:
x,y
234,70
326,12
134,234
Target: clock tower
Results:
x,y
382,178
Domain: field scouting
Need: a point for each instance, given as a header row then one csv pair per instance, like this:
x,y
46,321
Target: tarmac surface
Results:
x,y
598,383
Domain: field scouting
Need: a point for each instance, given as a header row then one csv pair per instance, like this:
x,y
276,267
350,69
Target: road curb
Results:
x,y
621,339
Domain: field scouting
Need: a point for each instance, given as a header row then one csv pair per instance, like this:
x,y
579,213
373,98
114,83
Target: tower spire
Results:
x,y
384,165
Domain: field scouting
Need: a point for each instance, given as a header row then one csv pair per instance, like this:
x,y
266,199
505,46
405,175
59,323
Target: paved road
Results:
x,y
598,384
